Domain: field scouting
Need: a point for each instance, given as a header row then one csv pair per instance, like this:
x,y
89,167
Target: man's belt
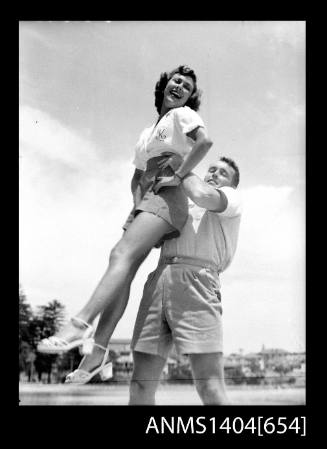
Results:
x,y
189,261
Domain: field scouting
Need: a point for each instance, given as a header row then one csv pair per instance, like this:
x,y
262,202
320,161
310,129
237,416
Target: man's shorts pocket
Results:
x,y
208,281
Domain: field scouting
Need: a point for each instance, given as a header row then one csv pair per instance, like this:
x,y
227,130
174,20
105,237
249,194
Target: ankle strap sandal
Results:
x,y
56,345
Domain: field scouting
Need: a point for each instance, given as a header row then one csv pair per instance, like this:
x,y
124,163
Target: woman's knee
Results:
x,y
122,252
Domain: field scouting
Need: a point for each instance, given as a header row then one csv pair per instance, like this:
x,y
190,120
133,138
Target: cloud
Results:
x,y
45,137
264,202
288,32
257,312
263,291
271,242
72,208
277,33
62,161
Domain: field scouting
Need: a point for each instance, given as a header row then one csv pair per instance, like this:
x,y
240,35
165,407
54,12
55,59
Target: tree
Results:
x,y
34,327
25,336
25,318
51,317
282,368
47,322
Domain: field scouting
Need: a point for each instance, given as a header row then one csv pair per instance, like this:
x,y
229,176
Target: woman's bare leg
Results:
x,y
108,321
125,258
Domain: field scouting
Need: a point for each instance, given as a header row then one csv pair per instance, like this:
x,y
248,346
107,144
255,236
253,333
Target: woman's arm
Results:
x,y
135,184
201,146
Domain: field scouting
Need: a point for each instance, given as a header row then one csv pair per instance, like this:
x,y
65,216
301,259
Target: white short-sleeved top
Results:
x,y
169,134
209,235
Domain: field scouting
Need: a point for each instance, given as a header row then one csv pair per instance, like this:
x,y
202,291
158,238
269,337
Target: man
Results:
x,y
181,302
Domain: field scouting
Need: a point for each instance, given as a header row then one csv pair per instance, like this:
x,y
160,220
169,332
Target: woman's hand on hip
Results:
x,y
166,181
174,161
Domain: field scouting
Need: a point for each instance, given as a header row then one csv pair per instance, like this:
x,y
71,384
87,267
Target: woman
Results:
x,y
169,149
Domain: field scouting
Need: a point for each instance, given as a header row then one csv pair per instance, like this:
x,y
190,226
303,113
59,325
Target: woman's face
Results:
x,y
178,90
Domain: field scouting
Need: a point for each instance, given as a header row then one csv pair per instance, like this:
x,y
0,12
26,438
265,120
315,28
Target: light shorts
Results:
x,y
181,304
170,203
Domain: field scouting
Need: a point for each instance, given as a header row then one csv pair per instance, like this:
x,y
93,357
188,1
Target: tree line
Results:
x,y
34,326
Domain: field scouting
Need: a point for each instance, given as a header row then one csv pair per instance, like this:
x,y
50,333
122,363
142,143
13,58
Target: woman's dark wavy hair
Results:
x,y
193,102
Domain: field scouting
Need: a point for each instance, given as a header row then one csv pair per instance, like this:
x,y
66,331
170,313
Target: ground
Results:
x,y
173,394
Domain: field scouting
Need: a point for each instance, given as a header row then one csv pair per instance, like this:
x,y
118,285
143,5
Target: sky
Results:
x,y
86,91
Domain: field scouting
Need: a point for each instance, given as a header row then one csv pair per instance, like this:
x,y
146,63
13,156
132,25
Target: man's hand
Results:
x,y
166,181
174,161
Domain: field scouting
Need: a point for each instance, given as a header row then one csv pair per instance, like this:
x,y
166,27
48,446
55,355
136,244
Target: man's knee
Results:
x,y
137,386
140,391
207,387
212,391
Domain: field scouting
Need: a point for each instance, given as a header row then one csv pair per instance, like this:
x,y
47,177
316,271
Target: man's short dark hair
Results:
x,y
193,102
231,163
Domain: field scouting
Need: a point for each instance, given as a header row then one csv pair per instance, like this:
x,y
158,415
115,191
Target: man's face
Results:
x,y
220,174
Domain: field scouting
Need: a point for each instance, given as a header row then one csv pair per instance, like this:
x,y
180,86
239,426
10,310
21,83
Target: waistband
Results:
x,y
188,261
153,162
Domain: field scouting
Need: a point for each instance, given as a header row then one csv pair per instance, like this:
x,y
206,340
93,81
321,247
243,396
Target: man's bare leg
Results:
x,y
145,378
208,374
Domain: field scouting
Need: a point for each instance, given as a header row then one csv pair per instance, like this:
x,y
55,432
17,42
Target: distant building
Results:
x,y
270,365
119,345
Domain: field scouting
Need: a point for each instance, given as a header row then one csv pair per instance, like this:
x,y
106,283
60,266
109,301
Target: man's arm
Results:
x,y
203,194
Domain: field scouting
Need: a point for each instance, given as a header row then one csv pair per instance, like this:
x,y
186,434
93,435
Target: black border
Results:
x,y
99,425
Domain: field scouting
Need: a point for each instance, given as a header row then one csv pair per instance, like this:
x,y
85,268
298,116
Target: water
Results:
x,y
173,394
